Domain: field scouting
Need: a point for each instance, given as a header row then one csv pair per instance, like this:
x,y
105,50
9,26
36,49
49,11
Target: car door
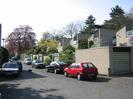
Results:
x,y
70,69
75,69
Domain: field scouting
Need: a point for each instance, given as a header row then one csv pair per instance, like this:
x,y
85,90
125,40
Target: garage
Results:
x,y
109,60
120,63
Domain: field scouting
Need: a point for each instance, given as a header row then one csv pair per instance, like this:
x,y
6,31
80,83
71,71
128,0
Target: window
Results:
x,y
72,66
77,65
129,33
10,65
88,65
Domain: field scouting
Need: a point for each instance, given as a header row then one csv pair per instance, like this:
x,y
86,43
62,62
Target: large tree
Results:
x,y
118,19
21,39
89,25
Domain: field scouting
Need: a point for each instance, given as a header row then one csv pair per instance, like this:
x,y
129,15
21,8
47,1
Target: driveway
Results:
x,y
39,84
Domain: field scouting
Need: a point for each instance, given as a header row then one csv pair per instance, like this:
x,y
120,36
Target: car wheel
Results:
x,y
79,77
55,71
65,74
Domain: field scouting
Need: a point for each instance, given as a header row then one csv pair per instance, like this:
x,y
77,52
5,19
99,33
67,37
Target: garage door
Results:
x,y
121,63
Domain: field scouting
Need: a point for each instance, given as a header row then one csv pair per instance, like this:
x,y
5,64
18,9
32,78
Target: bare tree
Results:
x,y
21,39
47,36
73,28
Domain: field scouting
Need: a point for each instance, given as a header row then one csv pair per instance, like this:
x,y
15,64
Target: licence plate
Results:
x,y
92,74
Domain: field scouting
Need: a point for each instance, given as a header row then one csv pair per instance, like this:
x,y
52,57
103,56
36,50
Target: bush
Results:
x,y
68,54
47,60
34,57
4,55
67,58
83,44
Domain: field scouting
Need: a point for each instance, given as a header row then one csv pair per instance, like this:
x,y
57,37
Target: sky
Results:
x,y
52,15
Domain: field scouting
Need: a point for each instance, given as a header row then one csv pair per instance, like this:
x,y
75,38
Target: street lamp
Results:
x,y
3,42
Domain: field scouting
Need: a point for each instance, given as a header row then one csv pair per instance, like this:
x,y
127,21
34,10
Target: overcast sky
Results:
x,y
50,15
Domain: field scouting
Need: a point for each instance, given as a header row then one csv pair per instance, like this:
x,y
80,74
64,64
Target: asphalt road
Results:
x,y
39,84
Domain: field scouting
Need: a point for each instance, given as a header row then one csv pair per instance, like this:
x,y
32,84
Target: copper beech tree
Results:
x,y
21,39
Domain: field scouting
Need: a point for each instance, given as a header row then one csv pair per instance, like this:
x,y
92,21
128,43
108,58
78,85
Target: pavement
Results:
x,y
39,84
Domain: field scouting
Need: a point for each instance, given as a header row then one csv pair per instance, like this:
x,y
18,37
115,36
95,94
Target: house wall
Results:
x,y
98,56
106,37
121,37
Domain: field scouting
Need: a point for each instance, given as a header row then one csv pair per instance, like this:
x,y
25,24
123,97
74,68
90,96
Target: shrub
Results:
x,y
68,54
47,60
83,44
4,55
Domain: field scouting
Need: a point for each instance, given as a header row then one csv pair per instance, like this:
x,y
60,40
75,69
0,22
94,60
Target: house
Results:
x,y
103,37
124,36
77,38
63,42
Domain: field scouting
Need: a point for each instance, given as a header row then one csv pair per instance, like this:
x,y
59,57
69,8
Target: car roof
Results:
x,y
10,63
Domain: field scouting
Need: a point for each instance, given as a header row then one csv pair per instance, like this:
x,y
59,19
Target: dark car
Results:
x,y
38,64
10,68
56,67
20,66
82,70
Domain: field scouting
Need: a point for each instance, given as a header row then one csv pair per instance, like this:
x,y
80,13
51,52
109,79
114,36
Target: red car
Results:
x,y
81,70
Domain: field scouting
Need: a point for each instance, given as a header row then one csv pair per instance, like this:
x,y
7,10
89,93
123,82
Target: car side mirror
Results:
x,y
68,67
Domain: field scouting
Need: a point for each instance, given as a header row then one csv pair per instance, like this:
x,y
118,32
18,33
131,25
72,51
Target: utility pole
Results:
x,y
3,42
0,34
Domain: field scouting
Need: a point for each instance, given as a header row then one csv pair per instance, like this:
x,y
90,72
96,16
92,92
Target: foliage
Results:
x,y
4,55
48,44
44,47
31,51
91,43
34,57
118,19
47,60
21,39
83,44
68,54
89,25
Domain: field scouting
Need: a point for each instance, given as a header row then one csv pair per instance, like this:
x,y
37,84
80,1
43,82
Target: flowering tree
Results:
x,y
21,39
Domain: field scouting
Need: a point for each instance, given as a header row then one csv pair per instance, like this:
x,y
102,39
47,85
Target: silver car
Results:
x,y
28,61
10,68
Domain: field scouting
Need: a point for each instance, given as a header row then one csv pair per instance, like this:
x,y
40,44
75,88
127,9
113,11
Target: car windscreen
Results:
x,y
10,65
88,65
61,63
28,59
38,61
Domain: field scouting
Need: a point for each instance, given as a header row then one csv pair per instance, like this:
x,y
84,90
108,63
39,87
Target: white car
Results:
x,y
28,61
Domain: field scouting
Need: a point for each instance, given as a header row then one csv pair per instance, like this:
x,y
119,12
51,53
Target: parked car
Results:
x,y
28,61
81,70
10,68
20,66
56,67
38,64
